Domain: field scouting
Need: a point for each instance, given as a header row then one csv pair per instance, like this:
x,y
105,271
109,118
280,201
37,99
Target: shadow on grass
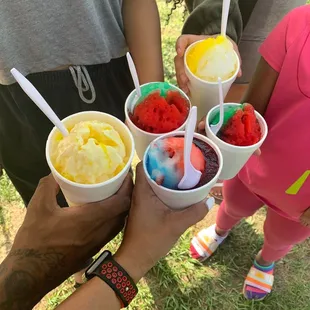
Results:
x,y
204,289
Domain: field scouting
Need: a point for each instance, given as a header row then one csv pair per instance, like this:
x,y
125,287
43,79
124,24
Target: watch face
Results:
x,y
97,263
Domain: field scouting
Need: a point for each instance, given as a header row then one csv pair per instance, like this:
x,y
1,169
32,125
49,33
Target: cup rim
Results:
x,y
154,135
232,78
194,190
96,185
236,147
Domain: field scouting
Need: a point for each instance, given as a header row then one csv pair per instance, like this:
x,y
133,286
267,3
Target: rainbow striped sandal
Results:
x,y
205,243
259,282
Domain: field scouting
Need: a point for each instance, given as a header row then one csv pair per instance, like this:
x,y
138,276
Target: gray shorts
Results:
x,y
265,16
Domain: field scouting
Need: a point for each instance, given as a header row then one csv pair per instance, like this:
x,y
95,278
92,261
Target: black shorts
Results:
x,y
24,128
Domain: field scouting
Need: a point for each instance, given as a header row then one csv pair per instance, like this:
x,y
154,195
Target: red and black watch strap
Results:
x,y
118,279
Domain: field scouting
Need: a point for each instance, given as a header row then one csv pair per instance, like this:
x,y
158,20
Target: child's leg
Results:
x,y
280,235
238,203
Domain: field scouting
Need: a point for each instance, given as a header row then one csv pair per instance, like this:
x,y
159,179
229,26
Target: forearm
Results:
x,y
23,280
261,87
14,284
143,35
96,294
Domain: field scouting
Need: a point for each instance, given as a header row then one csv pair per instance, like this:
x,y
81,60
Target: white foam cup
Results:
x,y
79,194
234,157
204,94
143,138
182,199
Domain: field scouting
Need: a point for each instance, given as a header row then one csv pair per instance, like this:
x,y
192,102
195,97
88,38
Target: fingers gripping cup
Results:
x,y
162,108
92,162
164,168
243,132
205,61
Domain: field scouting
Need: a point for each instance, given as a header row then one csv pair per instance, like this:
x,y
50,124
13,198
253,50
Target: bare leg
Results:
x,y
221,232
261,261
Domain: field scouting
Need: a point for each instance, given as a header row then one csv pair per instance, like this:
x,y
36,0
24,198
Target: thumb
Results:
x,y
196,213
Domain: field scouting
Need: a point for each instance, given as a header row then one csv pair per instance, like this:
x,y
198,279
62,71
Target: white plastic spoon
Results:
x,y
191,175
216,128
135,79
225,13
37,98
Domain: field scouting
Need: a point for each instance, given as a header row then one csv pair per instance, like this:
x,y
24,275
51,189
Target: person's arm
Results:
x,y
96,294
23,280
151,226
53,243
273,52
261,87
143,35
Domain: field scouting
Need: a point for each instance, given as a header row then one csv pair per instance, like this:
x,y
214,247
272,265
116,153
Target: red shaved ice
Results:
x,y
156,114
243,128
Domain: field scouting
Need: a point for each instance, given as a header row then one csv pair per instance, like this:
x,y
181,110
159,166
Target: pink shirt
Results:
x,y
280,177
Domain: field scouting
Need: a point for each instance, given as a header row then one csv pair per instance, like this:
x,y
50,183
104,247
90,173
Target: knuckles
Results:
x,y
45,180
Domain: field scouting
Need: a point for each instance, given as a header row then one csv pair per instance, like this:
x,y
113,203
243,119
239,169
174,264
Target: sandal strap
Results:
x,y
209,244
259,279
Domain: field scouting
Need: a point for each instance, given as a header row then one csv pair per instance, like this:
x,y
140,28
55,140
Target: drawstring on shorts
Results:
x,y
83,82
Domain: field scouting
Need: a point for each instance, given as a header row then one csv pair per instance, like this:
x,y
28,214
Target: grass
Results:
x,y
170,33
178,282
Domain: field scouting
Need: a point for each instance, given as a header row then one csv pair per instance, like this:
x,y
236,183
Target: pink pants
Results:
x,y
280,233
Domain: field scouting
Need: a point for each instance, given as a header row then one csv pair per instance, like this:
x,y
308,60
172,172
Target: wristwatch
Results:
x,y
108,270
